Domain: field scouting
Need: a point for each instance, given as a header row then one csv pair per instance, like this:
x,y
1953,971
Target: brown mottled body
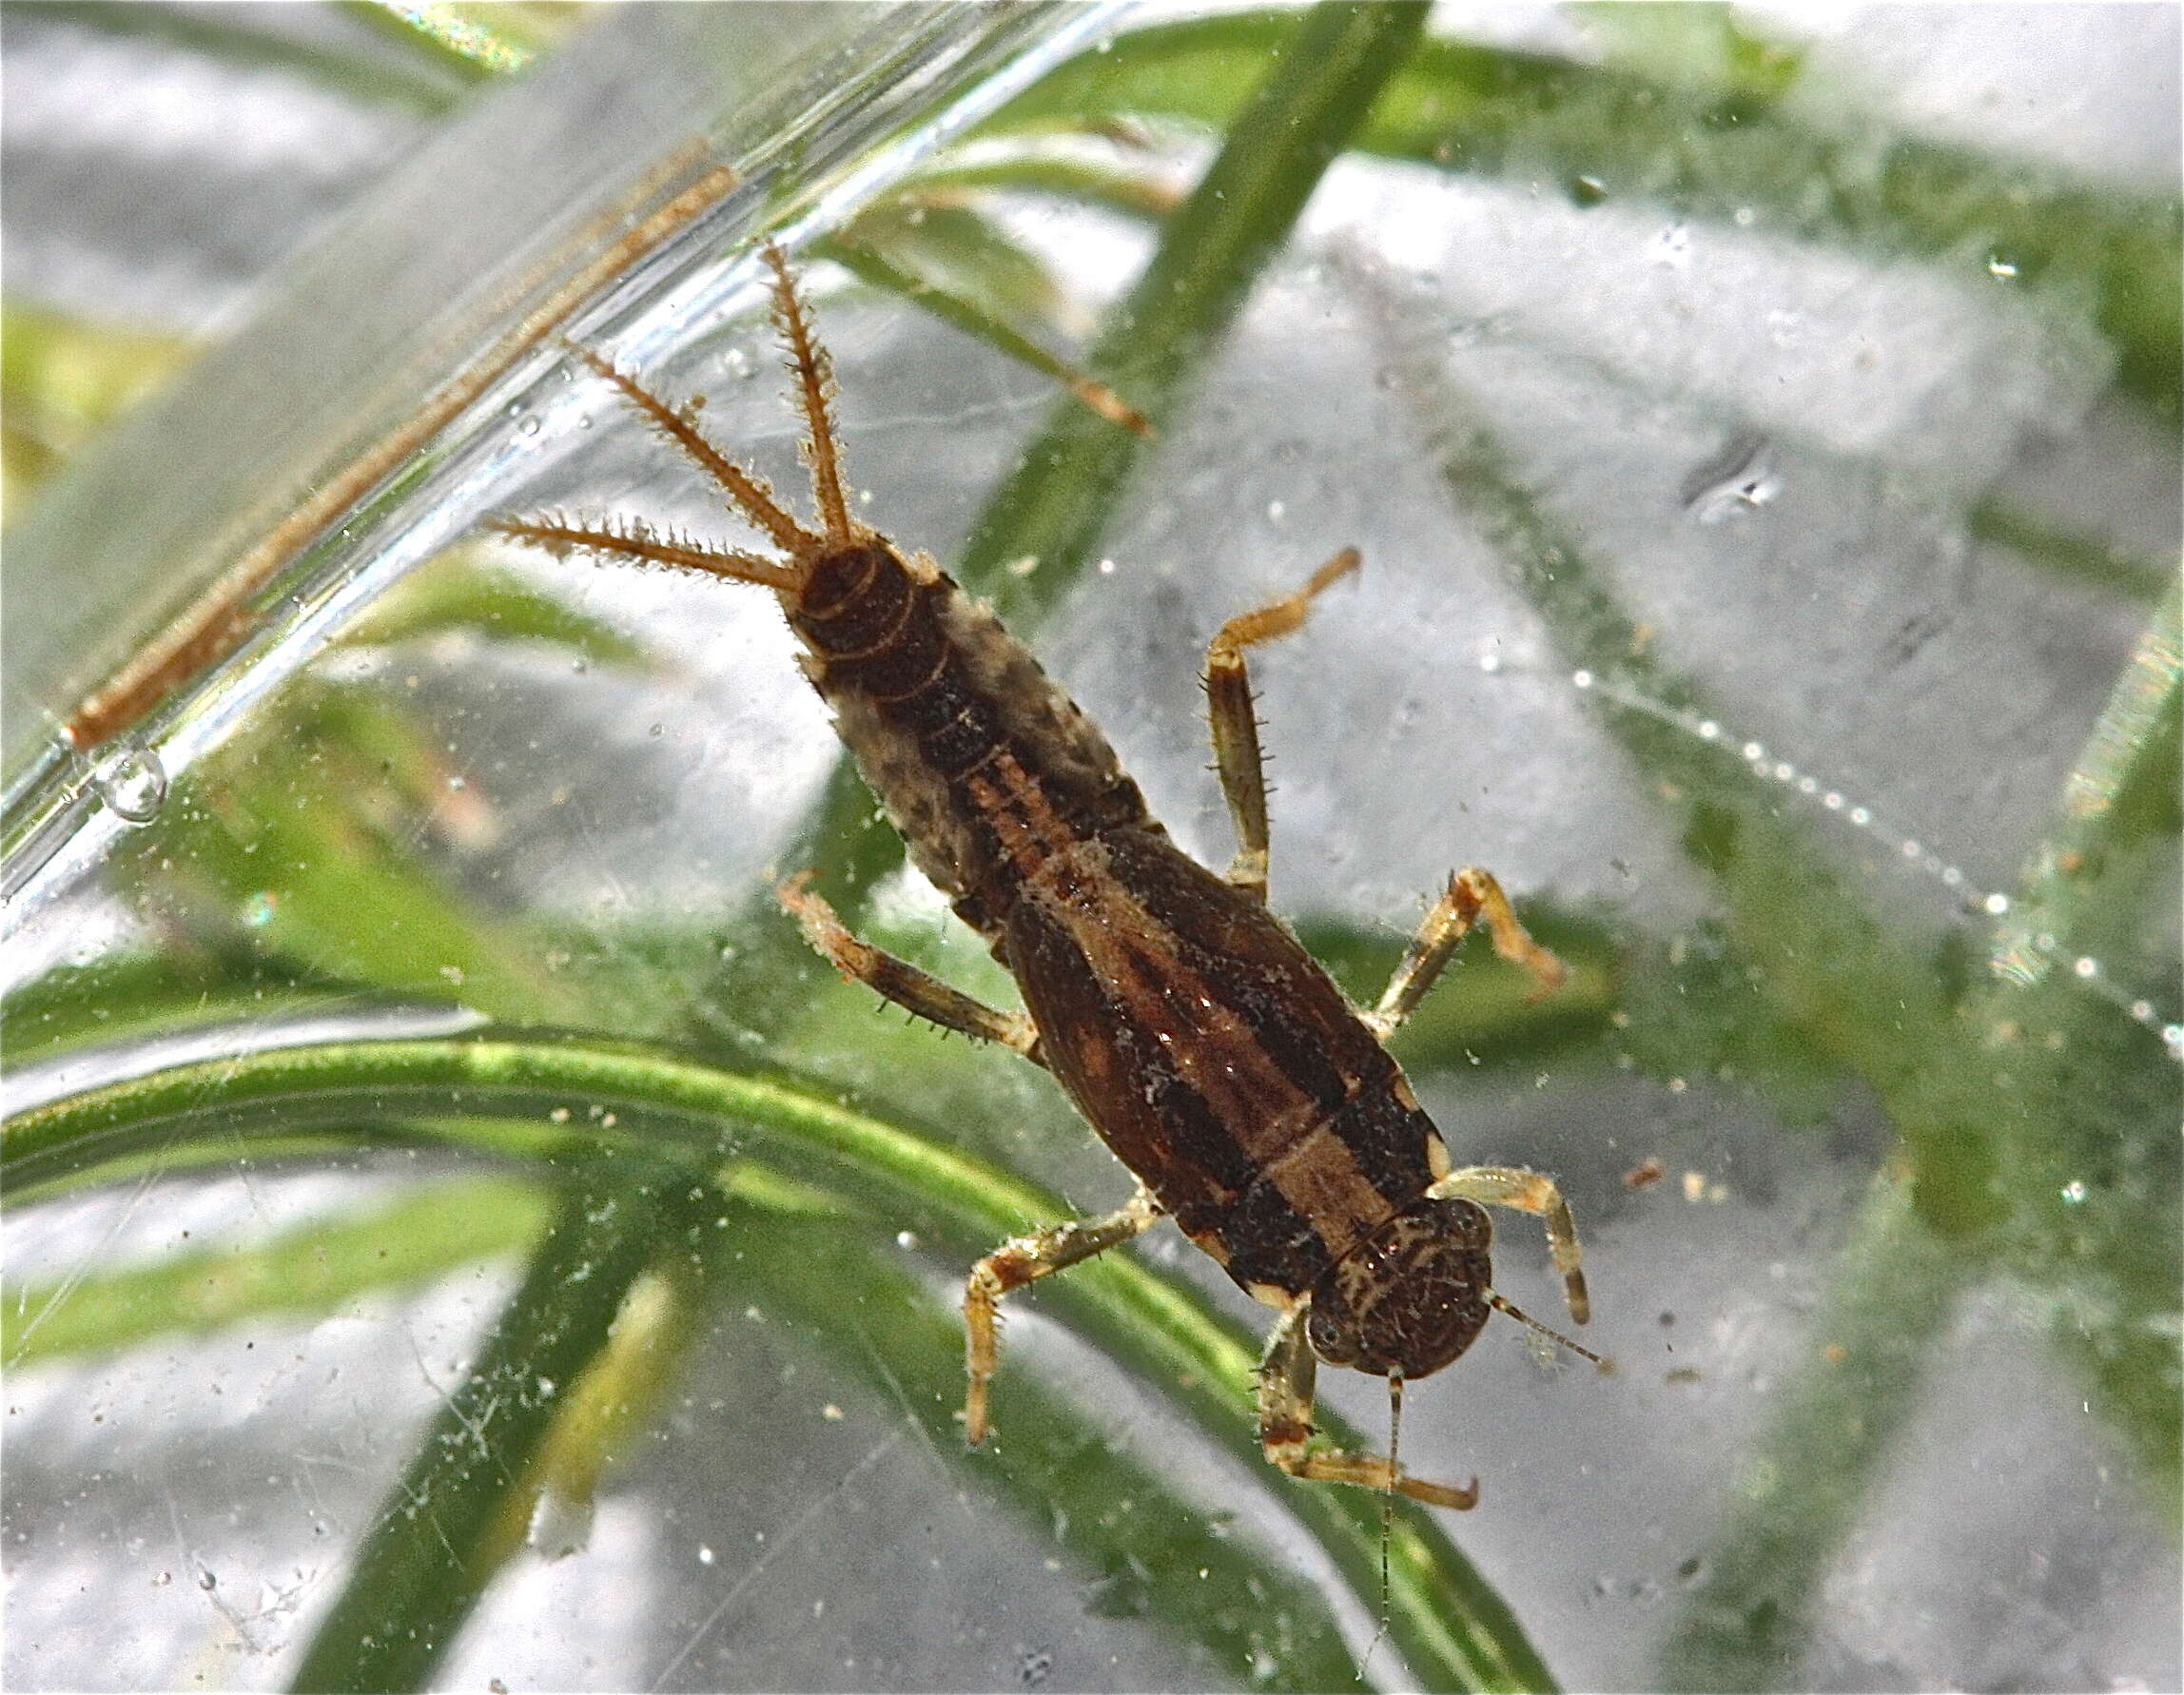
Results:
x,y
953,724
1205,1046
1208,1049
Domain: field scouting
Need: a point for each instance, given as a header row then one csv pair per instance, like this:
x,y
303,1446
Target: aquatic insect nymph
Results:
x,y
1210,1051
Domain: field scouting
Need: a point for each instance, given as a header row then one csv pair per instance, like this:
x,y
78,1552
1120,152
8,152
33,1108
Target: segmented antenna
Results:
x,y
1508,1308
1388,1505
632,540
747,492
814,373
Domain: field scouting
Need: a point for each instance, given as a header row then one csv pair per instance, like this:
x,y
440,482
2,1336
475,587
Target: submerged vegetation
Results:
x,y
657,1100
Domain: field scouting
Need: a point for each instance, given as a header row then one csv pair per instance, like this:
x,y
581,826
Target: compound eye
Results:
x,y
1332,1331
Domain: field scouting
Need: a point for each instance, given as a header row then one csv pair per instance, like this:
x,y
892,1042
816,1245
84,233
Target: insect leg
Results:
x,y
1287,1374
899,981
1529,1192
1472,895
1017,1262
1236,724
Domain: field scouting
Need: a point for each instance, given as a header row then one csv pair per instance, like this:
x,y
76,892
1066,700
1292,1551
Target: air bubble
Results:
x,y
1581,679
1995,905
527,427
2086,966
1740,478
2074,1192
1710,730
1490,663
1755,751
133,784
1860,816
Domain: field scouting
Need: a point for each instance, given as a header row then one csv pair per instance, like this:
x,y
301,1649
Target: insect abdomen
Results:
x,y
1216,1058
984,763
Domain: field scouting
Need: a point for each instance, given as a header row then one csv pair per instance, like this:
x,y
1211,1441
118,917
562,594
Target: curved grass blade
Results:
x,y
1145,191
461,595
1447,1622
222,39
456,38
980,318
2066,552
1240,1618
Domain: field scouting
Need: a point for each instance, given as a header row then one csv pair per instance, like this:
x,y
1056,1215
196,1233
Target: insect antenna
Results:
x,y
1501,1305
747,492
633,540
814,373
1388,1503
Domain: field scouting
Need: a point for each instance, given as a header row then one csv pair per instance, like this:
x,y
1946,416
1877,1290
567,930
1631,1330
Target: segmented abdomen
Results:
x,y
1216,1059
984,763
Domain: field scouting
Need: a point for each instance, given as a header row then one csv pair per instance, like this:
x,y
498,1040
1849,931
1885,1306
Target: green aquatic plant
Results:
x,y
664,1115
